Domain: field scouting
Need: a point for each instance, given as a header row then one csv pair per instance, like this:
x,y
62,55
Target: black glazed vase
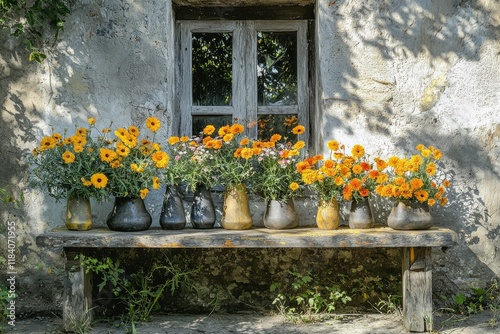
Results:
x,y
202,209
129,215
172,215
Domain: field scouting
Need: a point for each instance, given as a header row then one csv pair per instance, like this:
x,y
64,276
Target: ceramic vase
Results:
x,y
360,214
410,216
129,215
202,209
280,215
172,215
78,213
236,213
327,217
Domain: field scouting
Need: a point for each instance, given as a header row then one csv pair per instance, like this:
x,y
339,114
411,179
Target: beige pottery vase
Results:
x,y
236,214
327,217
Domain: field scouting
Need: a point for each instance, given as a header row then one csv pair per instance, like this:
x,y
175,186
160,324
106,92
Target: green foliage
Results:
x,y
141,291
305,299
29,21
478,300
7,198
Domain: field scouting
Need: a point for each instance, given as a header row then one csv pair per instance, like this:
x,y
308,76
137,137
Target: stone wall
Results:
x,y
388,75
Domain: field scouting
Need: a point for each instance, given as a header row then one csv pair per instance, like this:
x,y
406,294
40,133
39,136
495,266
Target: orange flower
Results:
x,y
333,145
184,139
357,169
275,137
298,130
224,130
237,129
161,159
228,137
421,195
294,186
156,183
91,120
358,151
416,183
298,145
144,193
208,130
133,130
173,140
364,192
356,184
244,142
99,180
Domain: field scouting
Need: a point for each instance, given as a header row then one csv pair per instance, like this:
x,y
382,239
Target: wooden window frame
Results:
x,y
244,97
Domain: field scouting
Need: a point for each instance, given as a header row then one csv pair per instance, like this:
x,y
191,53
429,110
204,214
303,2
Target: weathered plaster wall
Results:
x,y
389,75
393,74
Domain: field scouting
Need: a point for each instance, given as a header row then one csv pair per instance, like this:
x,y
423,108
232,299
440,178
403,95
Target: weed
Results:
x,y
390,305
141,291
307,300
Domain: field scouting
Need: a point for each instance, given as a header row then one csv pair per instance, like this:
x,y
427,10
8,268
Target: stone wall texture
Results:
x,y
387,74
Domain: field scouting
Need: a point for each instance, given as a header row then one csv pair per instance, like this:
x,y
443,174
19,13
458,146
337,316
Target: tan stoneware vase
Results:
x,y
236,214
78,214
327,217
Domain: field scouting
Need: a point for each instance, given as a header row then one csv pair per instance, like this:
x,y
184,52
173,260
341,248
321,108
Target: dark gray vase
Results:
x,y
172,215
129,215
410,216
280,215
202,209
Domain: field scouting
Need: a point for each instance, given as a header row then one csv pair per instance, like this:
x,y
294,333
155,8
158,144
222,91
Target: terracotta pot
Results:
x,y
236,214
360,215
172,215
410,216
78,214
280,215
327,217
129,215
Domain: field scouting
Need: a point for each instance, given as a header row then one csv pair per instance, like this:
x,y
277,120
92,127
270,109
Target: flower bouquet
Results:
x,y
68,166
131,166
414,183
277,179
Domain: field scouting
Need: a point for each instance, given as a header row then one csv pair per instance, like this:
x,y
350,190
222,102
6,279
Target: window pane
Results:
x,y
281,124
212,69
277,68
199,122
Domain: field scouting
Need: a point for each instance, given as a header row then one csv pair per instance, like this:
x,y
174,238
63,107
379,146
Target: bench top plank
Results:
x,y
257,237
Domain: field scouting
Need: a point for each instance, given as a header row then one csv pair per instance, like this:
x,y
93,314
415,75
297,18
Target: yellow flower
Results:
x,y
246,153
184,139
144,193
78,141
56,136
91,120
121,149
107,155
173,140
426,152
153,124
298,130
357,169
333,145
137,168
81,132
161,159
85,182
244,142
358,151
298,145
228,137
294,186
68,157
208,130
47,143
416,183
133,130
99,180
420,147
156,183
431,169
224,130
78,149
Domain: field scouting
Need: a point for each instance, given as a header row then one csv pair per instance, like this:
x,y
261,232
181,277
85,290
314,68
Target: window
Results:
x,y
254,72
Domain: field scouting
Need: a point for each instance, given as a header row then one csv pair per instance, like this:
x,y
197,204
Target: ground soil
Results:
x,y
486,322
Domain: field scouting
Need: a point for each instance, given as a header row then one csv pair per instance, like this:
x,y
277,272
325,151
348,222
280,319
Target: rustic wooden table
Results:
x,y
416,247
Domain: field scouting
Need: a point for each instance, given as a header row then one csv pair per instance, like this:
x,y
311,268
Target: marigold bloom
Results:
x,y
426,152
294,186
82,132
347,193
333,145
161,159
416,183
68,157
173,140
133,130
299,144
381,164
99,180
338,181
329,163
357,169
356,184
153,124
228,137
217,144
130,141
86,183
431,202
421,195
364,192
246,153
237,129
107,155
237,152
437,154
156,183
358,151
275,137
208,130
444,201
393,161
244,142
224,130
298,130
91,120
78,149
446,183
184,139
121,149
431,168
144,192
121,133
420,147
302,166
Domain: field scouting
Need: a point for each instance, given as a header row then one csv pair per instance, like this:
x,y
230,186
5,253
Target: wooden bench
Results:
x,y
416,264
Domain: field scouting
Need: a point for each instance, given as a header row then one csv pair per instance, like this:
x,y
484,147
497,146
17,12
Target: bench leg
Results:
x,y
77,301
417,289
